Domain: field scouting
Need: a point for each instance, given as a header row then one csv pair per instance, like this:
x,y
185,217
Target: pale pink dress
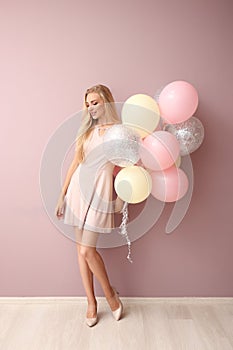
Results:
x,y
88,200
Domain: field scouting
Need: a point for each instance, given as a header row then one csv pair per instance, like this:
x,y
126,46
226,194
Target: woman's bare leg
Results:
x,y
87,278
96,265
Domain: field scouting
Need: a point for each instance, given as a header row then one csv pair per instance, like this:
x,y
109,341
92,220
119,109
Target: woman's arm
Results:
x,y
119,203
70,172
59,210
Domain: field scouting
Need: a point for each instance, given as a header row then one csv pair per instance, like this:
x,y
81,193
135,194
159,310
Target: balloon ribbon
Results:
x,y
123,229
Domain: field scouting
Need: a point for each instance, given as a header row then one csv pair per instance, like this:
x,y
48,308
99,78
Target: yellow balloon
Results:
x,y
178,162
141,112
133,184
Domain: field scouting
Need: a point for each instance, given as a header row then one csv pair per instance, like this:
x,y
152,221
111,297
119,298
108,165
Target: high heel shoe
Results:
x,y
91,321
118,312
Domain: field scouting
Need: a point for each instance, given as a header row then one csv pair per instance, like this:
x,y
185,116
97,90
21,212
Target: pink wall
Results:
x,y
51,51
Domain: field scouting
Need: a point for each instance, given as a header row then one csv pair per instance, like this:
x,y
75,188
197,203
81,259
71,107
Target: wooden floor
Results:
x,y
159,323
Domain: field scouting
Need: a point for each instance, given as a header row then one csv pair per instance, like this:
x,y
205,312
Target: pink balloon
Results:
x,y
159,150
169,185
178,101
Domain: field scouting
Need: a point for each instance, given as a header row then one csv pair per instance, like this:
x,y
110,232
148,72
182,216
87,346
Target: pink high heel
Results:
x,y
118,312
91,321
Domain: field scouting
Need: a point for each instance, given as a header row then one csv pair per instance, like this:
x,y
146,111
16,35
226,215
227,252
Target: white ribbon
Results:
x,y
123,229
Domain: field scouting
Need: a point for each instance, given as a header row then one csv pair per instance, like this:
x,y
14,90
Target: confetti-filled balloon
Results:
x,y
121,145
141,112
189,134
133,184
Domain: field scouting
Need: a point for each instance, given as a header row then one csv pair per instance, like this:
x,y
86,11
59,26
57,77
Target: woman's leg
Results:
x,y
87,279
96,265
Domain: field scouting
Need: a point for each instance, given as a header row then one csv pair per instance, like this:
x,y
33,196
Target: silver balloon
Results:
x,y
157,93
121,145
190,134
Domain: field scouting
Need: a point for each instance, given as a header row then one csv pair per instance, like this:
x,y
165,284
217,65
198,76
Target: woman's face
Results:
x,y
95,105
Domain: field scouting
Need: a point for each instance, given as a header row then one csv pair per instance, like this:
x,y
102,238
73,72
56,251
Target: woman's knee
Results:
x,y
86,252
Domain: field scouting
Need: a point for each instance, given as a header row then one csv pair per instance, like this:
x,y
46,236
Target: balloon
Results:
x,y
177,102
141,112
159,150
169,185
133,184
116,170
157,93
189,134
159,127
178,162
121,145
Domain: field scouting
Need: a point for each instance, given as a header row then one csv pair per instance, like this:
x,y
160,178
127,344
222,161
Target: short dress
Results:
x,y
89,201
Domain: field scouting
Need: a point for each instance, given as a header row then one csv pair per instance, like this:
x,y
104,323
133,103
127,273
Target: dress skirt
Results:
x,y
88,200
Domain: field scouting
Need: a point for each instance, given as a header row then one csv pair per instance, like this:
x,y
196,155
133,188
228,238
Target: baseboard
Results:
x,y
57,299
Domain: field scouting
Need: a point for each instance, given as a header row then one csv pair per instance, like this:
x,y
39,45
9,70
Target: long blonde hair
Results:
x,y
88,122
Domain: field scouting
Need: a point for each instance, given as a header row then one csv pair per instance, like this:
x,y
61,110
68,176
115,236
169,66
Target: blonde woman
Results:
x,y
86,201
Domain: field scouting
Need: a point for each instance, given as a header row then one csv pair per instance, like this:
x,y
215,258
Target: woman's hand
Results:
x,y
119,203
59,211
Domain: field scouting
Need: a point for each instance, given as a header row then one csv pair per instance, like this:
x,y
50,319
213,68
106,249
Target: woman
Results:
x,y
86,197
